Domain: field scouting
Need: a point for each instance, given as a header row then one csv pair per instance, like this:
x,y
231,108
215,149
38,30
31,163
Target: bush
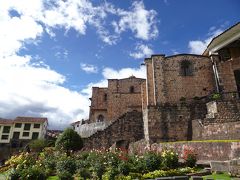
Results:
x,y
68,141
37,145
66,165
137,164
14,175
31,173
189,156
124,168
169,159
153,161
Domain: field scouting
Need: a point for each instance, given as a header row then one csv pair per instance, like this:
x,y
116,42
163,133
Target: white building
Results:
x,y
22,128
87,129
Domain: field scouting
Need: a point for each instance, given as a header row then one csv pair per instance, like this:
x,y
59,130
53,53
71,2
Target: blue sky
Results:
x,y
53,52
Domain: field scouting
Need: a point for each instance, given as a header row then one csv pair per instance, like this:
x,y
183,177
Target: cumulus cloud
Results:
x,y
141,51
29,87
110,73
139,20
198,46
89,68
27,90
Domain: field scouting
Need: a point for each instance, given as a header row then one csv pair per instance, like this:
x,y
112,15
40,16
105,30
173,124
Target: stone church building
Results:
x,y
184,97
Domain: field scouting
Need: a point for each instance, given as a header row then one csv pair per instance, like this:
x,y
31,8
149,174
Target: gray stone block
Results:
x,y
197,178
181,177
220,166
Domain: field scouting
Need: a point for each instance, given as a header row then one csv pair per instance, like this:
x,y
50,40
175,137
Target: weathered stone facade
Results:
x,y
206,151
121,96
221,122
173,98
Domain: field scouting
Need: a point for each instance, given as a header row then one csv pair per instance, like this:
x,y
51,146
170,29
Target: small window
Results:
x,y
224,54
35,135
25,134
6,129
18,125
36,126
27,126
4,137
186,68
105,97
100,118
131,89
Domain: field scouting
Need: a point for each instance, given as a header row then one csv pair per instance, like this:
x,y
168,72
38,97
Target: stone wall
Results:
x,y
166,83
171,122
206,151
127,128
221,122
121,96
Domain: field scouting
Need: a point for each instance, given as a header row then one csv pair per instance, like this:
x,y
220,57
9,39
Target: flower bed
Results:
x,y
97,164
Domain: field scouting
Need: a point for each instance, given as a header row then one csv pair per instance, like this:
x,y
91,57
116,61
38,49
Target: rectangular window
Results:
x,y
18,125
16,135
36,126
4,137
25,134
27,126
35,135
6,129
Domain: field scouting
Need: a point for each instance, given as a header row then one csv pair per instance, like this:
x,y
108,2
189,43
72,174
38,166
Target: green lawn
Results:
x,y
52,178
223,176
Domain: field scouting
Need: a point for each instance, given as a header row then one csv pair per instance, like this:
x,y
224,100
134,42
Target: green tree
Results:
x,y
68,141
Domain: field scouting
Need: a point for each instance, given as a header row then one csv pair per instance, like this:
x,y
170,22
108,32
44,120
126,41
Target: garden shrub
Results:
x,y
137,164
37,145
124,168
68,141
84,173
189,156
31,173
66,165
153,161
169,159
14,174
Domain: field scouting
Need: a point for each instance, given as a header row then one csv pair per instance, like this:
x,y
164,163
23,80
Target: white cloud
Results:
x,y
110,73
37,91
139,20
31,88
198,46
141,51
89,68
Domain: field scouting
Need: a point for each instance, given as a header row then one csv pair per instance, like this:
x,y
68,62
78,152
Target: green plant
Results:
x,y
30,173
216,96
137,164
153,161
68,141
37,145
189,156
124,168
169,159
66,165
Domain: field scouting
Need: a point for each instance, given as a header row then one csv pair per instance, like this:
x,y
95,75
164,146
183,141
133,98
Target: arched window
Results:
x,y
131,89
100,118
186,68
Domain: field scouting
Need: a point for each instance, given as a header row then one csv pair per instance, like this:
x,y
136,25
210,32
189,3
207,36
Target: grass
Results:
x,y
223,176
52,178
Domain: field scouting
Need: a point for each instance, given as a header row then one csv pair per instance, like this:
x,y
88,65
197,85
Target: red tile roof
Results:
x,y
6,121
30,119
